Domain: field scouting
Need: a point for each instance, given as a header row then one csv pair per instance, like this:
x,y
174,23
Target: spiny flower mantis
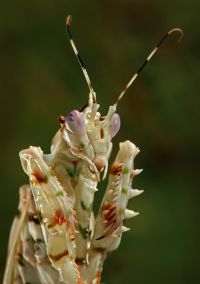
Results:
x,y
56,238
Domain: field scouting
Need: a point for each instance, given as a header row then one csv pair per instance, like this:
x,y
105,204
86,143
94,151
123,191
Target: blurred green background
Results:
x,y
40,79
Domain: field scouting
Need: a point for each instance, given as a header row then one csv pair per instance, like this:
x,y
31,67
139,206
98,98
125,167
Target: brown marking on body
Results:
x,y
102,118
19,258
42,262
58,256
116,168
109,214
98,277
100,250
108,205
38,177
99,164
80,281
72,237
110,220
59,217
80,261
71,227
101,133
61,119
51,226
110,217
109,232
34,218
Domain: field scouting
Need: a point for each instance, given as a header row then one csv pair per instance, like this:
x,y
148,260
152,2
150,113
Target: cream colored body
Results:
x,y
61,194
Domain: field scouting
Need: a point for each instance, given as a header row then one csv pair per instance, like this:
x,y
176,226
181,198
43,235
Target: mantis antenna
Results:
x,y
151,54
92,94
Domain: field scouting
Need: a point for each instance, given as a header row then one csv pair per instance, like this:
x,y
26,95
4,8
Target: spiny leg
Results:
x,y
113,211
56,214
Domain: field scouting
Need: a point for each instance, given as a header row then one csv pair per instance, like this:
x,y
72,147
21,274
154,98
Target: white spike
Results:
x,y
125,229
137,150
130,213
137,172
134,192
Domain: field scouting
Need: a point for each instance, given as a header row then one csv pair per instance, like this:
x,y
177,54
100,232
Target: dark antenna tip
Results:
x,y
148,58
179,31
69,20
92,95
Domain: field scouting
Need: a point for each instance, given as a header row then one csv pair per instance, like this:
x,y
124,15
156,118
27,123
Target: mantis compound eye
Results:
x,y
75,123
114,125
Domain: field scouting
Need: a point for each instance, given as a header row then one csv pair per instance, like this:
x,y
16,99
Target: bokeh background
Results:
x,y
40,79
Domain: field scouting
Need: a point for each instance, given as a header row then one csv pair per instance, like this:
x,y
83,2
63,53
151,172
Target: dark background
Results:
x,y
40,79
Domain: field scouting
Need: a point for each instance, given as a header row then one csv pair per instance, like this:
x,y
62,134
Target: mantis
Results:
x,y
57,238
